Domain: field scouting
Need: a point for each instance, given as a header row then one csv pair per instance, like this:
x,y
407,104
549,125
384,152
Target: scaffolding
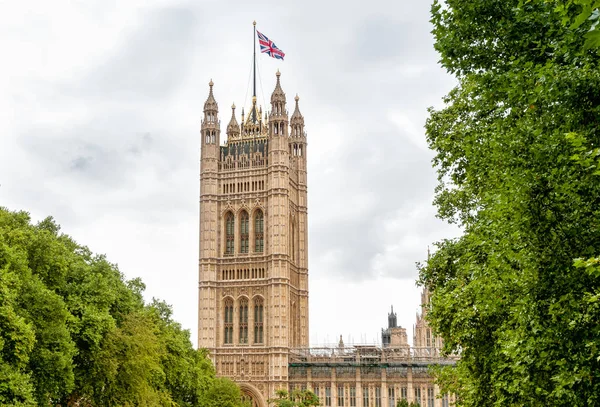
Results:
x,y
369,356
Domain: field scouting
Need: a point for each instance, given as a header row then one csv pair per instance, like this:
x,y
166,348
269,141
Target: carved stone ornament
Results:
x,y
228,207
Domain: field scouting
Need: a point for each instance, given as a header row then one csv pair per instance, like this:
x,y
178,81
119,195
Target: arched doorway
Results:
x,y
252,394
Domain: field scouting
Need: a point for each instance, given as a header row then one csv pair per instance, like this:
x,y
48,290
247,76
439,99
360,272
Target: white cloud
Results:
x,y
100,114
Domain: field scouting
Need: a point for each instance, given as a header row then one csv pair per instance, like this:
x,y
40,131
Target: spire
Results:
x,y
211,104
233,128
297,116
297,122
392,319
278,96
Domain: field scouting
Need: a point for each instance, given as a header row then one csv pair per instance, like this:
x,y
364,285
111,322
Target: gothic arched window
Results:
x,y
244,320
229,234
244,232
259,240
258,320
228,322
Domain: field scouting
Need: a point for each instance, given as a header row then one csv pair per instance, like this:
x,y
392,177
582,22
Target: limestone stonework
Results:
x,y
253,271
253,275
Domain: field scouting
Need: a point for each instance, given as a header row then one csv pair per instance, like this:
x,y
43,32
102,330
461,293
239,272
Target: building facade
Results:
x,y
253,271
253,274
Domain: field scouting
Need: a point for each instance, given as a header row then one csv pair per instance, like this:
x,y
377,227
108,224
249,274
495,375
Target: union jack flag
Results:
x,y
268,47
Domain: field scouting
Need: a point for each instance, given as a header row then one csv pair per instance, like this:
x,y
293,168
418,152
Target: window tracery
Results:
x,y
229,234
244,320
259,241
258,320
244,232
228,322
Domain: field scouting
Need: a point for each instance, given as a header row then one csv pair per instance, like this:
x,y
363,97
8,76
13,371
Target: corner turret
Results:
x,y
210,124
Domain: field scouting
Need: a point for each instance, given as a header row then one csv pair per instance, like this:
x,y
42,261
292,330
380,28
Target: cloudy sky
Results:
x,y
100,108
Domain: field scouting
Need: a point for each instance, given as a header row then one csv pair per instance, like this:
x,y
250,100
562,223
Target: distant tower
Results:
x,y
394,336
424,342
253,293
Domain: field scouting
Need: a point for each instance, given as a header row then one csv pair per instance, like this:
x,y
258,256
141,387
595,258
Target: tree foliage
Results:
x,y
405,403
517,154
73,331
297,398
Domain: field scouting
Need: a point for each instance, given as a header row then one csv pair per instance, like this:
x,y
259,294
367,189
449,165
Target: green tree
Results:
x,y
517,157
73,331
587,10
297,398
17,336
222,392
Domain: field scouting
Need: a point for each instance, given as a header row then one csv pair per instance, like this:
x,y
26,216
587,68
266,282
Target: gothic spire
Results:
x,y
297,117
233,128
278,96
211,104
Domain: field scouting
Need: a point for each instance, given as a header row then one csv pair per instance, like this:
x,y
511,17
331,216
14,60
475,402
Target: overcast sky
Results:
x,y
100,108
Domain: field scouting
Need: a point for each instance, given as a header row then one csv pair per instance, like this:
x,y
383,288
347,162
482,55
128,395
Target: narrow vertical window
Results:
x,y
259,240
418,395
244,230
229,238
445,401
377,396
328,396
258,320
228,322
391,397
340,396
352,396
365,396
243,320
430,397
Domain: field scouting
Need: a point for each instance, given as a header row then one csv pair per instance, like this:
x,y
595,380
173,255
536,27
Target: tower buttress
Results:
x,y
297,147
278,175
209,197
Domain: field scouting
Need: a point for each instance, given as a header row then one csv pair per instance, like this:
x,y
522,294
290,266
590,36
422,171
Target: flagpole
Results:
x,y
254,84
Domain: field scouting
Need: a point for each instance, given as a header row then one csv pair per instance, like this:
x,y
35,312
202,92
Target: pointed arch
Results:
x,y
259,226
244,231
229,233
251,393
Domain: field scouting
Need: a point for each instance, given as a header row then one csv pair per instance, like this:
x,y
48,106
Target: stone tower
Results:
x,y
424,341
253,271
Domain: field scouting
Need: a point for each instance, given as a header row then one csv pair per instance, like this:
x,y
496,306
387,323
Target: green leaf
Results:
x,y
592,39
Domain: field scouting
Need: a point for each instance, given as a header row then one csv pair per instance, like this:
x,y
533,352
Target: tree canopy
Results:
x,y
296,398
73,331
517,148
